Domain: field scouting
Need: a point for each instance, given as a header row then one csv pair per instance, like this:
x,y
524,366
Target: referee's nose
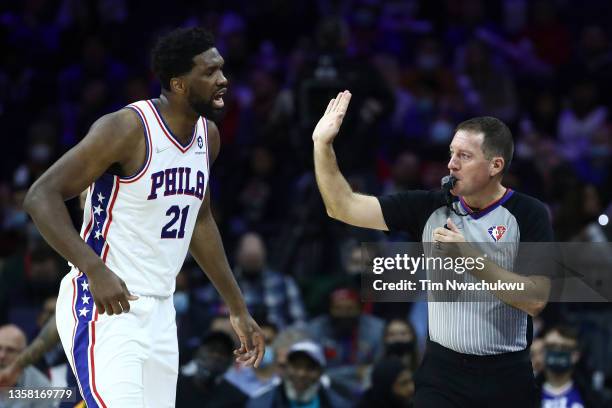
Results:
x,y
453,162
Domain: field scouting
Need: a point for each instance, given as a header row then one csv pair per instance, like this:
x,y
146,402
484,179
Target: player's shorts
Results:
x,y
126,360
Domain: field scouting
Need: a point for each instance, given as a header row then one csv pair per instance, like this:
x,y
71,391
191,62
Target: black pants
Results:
x,y
450,379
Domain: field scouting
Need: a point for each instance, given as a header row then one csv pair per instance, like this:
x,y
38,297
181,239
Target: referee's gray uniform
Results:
x,y
477,353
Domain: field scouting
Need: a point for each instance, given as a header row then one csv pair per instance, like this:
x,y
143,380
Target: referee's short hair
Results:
x,y
497,137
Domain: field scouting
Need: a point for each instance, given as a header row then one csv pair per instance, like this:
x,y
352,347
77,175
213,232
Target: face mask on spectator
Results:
x,y
559,361
399,348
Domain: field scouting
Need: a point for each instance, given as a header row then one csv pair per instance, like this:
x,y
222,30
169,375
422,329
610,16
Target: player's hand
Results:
x,y
9,375
252,344
329,124
109,291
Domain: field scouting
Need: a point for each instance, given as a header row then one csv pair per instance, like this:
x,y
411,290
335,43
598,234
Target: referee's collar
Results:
x,y
484,211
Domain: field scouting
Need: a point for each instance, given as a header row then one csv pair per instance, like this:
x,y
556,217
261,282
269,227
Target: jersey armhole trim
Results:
x,y
204,122
149,147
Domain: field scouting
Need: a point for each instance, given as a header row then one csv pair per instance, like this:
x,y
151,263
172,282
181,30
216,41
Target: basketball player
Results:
x,y
146,168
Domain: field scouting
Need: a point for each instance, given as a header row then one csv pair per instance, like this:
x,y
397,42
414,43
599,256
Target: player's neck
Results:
x,y
180,123
486,197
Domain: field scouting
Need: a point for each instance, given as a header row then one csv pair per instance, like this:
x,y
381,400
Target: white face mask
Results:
x,y
308,395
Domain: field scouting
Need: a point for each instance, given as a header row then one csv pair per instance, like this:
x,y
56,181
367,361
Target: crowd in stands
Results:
x,y
416,68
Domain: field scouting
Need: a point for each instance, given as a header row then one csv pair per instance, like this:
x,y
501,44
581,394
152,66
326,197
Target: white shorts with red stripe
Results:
x,y
126,360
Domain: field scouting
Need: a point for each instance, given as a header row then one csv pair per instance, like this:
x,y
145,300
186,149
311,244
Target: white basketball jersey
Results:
x,y
141,226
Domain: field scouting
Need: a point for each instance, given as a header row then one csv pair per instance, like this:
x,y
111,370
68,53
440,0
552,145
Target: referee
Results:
x,y
477,352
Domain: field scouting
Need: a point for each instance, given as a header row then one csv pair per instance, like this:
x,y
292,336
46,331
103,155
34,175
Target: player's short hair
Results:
x,y
173,53
497,137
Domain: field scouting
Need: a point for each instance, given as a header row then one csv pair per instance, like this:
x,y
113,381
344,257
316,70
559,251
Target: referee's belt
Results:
x,y
438,351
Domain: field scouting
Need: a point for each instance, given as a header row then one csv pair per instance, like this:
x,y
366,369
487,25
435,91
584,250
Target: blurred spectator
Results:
x,y
203,382
400,342
331,70
188,324
394,126
351,340
258,202
561,384
267,293
594,58
549,36
301,385
42,140
12,342
580,205
486,85
580,121
405,174
283,343
43,273
541,119
55,356
434,88
252,380
392,385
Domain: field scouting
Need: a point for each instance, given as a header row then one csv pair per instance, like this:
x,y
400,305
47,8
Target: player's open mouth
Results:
x,y
218,99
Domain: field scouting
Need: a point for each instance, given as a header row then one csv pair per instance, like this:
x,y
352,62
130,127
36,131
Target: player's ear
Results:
x,y
178,86
496,166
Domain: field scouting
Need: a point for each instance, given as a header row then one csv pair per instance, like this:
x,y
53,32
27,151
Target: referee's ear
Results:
x,y
496,166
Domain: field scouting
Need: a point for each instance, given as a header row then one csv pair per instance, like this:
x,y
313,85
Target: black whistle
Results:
x,y
447,183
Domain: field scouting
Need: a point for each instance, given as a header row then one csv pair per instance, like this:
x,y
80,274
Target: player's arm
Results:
x,y
112,139
340,201
45,341
207,249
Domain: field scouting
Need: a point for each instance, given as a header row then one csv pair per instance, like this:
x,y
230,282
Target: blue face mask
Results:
x,y
181,302
268,358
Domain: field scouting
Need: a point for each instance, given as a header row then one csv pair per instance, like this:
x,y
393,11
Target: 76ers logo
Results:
x,y
497,232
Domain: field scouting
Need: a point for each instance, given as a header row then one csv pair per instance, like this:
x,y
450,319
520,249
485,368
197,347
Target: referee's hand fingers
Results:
x,y
451,225
439,233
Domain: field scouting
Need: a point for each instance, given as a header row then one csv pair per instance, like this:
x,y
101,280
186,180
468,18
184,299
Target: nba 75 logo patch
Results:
x,y
497,232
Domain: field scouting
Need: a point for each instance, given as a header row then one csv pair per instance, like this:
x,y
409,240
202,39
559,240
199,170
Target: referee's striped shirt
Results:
x,y
473,324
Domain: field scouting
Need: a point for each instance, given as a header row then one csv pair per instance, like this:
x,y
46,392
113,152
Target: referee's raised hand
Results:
x,y
329,124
